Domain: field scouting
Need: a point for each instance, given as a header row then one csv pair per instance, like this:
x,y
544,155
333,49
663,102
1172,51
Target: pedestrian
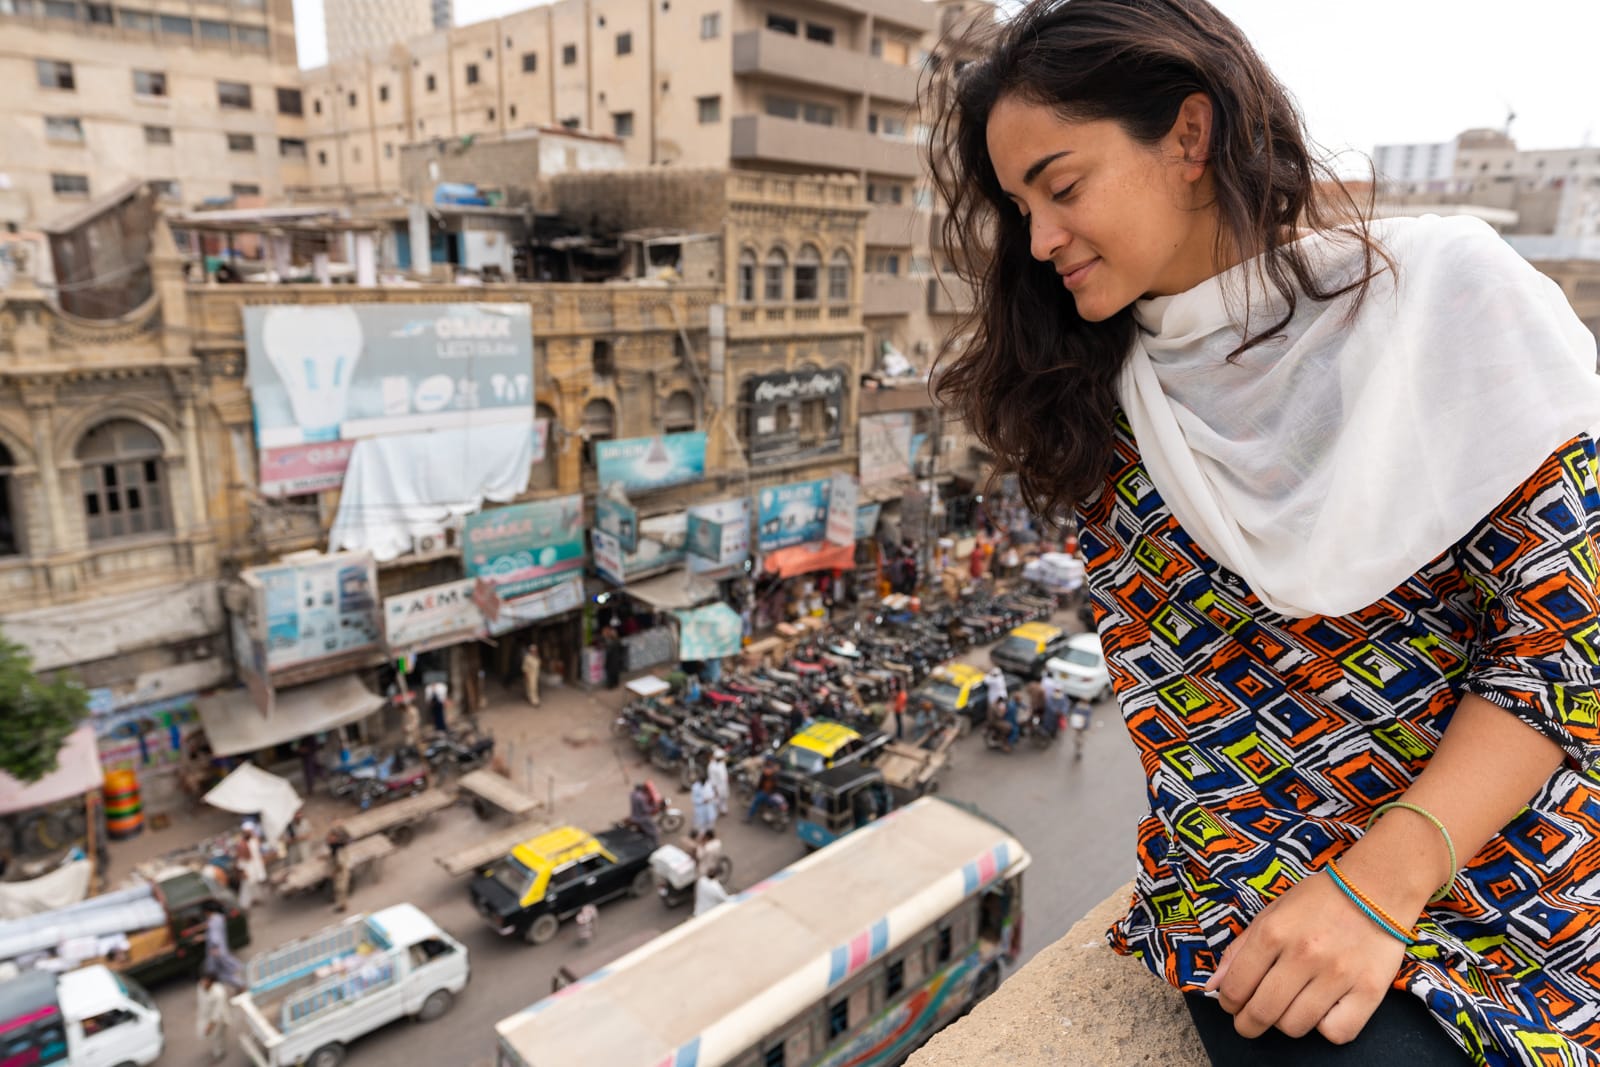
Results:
x,y
588,918
1194,341
212,1016
717,775
411,722
220,961
708,893
338,859
975,564
437,692
310,769
708,853
252,868
899,706
995,682
530,673
704,801
615,657
296,838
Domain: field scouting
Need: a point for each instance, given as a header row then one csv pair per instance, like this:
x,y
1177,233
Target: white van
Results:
x,y
90,1017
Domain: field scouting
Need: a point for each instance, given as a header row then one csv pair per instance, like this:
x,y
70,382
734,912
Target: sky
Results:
x,y
1368,72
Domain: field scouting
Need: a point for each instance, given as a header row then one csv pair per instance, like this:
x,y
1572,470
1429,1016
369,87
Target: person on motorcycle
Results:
x,y
766,788
1013,721
642,814
995,682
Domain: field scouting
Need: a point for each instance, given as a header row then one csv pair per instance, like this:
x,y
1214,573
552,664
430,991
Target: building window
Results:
x,y
291,148
622,123
819,34
530,62
69,184
879,193
601,361
807,270
783,24
511,110
149,83
124,481
388,150
491,114
136,21
677,414
472,74
233,96
839,278
290,102
177,26
432,83
63,129
244,189
711,25
571,123
241,142
316,107
709,108
352,99
383,94
322,158
10,540
355,153
158,135
252,37
777,266
569,55
747,277
54,74
599,424
215,32
624,44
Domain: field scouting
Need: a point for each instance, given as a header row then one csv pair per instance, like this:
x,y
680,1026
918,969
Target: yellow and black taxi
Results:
x,y
825,744
547,879
1025,650
957,689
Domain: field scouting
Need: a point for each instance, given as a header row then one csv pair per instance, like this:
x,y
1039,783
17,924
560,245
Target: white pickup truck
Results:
x,y
308,1000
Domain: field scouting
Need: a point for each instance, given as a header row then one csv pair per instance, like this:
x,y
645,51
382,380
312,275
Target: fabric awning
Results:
x,y
673,591
77,772
234,724
805,559
249,790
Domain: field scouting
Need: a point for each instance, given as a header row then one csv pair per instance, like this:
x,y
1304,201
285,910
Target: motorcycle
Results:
x,y
667,816
460,753
774,814
405,773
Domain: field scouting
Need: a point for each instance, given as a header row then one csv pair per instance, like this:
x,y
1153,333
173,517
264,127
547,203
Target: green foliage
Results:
x,y
36,715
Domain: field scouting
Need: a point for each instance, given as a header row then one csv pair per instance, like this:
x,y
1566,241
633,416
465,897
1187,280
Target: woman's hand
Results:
x,y
1310,961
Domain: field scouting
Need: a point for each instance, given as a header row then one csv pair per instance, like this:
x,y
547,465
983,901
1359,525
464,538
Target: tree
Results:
x,y
36,716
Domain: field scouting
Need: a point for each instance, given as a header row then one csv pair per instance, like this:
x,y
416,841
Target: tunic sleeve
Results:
x,y
1535,569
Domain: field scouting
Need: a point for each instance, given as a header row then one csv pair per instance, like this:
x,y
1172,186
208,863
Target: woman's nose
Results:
x,y
1044,238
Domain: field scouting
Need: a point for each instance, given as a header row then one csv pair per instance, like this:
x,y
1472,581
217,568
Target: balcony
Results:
x,y
890,294
948,295
910,14
891,224
1076,1002
763,139
749,320
783,55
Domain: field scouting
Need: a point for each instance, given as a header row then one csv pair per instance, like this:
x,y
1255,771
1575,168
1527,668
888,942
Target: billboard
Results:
x,y
432,617
885,442
322,374
619,519
718,535
525,547
663,544
867,520
777,405
843,495
643,463
316,609
794,514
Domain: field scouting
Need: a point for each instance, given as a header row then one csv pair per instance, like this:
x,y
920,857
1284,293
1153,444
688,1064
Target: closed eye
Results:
x,y
1063,194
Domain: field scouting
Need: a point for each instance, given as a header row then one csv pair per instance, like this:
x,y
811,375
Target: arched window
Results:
x,y
747,277
601,359
777,267
599,424
677,414
124,481
545,474
807,269
839,278
10,538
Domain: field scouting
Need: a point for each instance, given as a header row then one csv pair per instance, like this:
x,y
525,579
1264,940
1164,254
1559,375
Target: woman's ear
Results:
x,y
1190,137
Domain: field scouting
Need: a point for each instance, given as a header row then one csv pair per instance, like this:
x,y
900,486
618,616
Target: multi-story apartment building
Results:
x,y
201,97
358,26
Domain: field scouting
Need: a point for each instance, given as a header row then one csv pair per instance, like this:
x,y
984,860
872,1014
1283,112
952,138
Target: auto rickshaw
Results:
x,y
840,799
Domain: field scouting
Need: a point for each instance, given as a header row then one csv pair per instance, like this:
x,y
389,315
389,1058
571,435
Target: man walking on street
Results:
x,y
530,673
337,842
717,775
704,799
211,1017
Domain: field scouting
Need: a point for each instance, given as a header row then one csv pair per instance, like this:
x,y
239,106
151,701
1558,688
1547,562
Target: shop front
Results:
x,y
634,630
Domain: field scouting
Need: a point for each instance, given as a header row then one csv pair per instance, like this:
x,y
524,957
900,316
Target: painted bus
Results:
x,y
851,957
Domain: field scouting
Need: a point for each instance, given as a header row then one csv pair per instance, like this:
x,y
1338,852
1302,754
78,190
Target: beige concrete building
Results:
x,y
203,98
357,26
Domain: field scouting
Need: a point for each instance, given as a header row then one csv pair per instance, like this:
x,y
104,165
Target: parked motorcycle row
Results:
x,y
404,771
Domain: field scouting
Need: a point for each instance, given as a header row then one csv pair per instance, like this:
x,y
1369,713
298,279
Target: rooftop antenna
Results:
x,y
1511,116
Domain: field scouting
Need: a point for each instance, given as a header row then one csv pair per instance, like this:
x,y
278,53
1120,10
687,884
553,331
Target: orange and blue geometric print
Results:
x,y
1268,741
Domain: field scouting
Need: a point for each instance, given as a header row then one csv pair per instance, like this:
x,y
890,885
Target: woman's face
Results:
x,y
1117,220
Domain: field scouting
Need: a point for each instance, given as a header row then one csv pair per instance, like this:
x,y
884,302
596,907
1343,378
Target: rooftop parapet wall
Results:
x,y
1075,1004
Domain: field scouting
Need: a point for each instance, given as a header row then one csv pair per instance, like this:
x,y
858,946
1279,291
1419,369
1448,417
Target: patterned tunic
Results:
x,y
1267,741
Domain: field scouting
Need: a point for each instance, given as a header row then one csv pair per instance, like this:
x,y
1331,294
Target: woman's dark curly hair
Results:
x,y
1033,380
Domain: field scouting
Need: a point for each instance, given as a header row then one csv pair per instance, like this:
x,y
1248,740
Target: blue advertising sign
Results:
x,y
525,547
795,514
867,520
618,519
642,463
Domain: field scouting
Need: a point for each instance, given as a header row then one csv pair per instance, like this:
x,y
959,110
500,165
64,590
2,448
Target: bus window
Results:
x,y
918,963
992,913
795,1048
895,979
850,1010
944,944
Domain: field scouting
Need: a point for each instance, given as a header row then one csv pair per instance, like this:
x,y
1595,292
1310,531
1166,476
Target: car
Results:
x,y
529,891
959,688
1025,650
1081,670
822,745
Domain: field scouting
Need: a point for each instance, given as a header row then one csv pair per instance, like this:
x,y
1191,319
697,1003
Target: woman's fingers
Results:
x,y
1313,1003
1344,1020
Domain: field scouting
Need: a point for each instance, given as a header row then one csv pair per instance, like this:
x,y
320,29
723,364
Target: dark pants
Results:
x,y
1401,1031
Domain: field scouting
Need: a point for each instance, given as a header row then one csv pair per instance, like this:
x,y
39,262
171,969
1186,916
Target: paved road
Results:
x,y
1076,818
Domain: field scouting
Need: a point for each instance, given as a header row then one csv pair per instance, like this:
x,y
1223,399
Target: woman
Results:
x,y
1337,498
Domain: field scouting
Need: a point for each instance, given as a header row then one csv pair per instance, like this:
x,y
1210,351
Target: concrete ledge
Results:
x,y
1075,1003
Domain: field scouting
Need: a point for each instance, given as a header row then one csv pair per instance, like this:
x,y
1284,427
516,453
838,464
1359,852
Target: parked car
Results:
x,y
90,1017
547,879
1081,669
1025,650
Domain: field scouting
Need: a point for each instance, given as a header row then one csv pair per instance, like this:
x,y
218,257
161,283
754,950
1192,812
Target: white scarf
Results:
x,y
1328,466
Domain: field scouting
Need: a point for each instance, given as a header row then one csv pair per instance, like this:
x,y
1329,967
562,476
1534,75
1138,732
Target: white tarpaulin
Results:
x,y
67,884
77,772
234,724
407,486
249,790
674,590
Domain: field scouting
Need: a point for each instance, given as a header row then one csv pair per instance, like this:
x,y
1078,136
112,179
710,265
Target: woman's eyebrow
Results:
x,y
1039,165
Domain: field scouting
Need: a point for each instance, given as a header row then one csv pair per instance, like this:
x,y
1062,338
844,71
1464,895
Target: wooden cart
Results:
x,y
316,872
478,856
397,820
491,792
913,771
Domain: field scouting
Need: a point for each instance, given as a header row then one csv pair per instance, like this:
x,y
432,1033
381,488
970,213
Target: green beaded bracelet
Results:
x,y
1449,845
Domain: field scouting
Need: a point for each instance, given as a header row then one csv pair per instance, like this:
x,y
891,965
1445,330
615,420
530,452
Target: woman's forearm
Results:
x,y
1489,764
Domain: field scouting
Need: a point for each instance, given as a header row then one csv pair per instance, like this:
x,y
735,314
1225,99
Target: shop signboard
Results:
x,y
525,547
321,374
885,442
608,557
663,544
638,464
843,496
619,519
433,617
563,597
711,632
782,407
867,520
316,609
718,535
794,514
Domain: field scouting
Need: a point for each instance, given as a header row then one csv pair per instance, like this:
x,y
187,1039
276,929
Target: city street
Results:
x,y
1076,819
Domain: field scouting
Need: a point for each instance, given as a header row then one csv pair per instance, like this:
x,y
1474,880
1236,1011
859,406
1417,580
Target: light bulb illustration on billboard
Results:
x,y
315,351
